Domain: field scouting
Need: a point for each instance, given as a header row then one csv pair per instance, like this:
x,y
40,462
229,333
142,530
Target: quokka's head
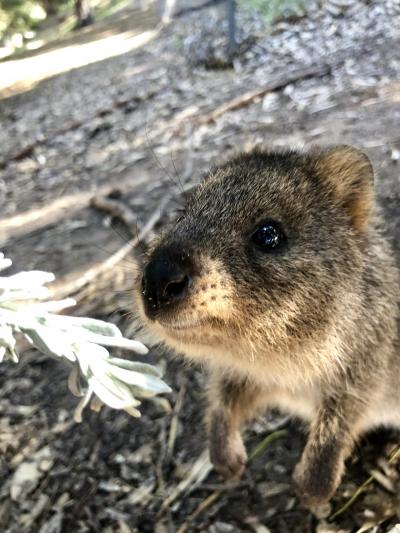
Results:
x,y
269,248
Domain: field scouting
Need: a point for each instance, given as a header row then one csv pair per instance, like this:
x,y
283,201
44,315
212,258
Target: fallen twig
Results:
x,y
36,219
275,85
49,214
72,286
205,504
199,471
173,428
214,496
117,209
394,457
198,117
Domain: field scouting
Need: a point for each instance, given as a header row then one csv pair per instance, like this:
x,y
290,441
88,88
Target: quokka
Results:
x,y
280,278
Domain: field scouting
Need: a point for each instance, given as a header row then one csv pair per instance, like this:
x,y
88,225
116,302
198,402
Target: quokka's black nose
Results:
x,y
166,280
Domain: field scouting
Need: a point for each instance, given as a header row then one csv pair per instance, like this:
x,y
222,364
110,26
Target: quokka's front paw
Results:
x,y
316,483
229,457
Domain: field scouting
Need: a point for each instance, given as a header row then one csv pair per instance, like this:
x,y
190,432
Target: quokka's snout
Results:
x,y
181,289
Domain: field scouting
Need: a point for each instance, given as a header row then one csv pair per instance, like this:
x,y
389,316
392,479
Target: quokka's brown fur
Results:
x,y
312,329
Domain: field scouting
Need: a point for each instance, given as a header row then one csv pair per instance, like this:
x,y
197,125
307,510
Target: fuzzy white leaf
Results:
x,y
46,307
143,385
83,341
111,394
128,344
51,342
6,336
4,262
82,404
17,319
89,356
35,293
96,404
86,335
91,325
95,331
26,280
74,381
136,366
7,343
133,412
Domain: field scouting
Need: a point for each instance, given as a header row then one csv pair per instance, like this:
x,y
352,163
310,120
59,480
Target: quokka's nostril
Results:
x,y
176,289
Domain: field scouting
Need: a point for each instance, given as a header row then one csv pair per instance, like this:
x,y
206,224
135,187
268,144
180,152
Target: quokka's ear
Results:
x,y
351,177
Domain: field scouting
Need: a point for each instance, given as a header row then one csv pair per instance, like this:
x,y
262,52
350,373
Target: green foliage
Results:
x,y
273,10
18,16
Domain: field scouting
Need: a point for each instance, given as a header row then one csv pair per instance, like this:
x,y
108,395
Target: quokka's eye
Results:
x,y
269,236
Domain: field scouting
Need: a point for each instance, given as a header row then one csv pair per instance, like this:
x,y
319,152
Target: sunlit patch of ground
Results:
x,y
19,75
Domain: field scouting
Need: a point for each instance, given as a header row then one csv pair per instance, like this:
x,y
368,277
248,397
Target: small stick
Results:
x,y
213,497
395,455
195,116
117,209
51,213
173,429
275,85
70,287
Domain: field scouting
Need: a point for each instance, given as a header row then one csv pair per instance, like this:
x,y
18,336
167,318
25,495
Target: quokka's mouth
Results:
x,y
180,325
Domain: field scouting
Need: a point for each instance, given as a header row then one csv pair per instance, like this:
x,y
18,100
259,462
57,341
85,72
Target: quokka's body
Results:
x,y
280,278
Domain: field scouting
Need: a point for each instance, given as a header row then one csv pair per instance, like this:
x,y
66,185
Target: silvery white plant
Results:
x,y
84,342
